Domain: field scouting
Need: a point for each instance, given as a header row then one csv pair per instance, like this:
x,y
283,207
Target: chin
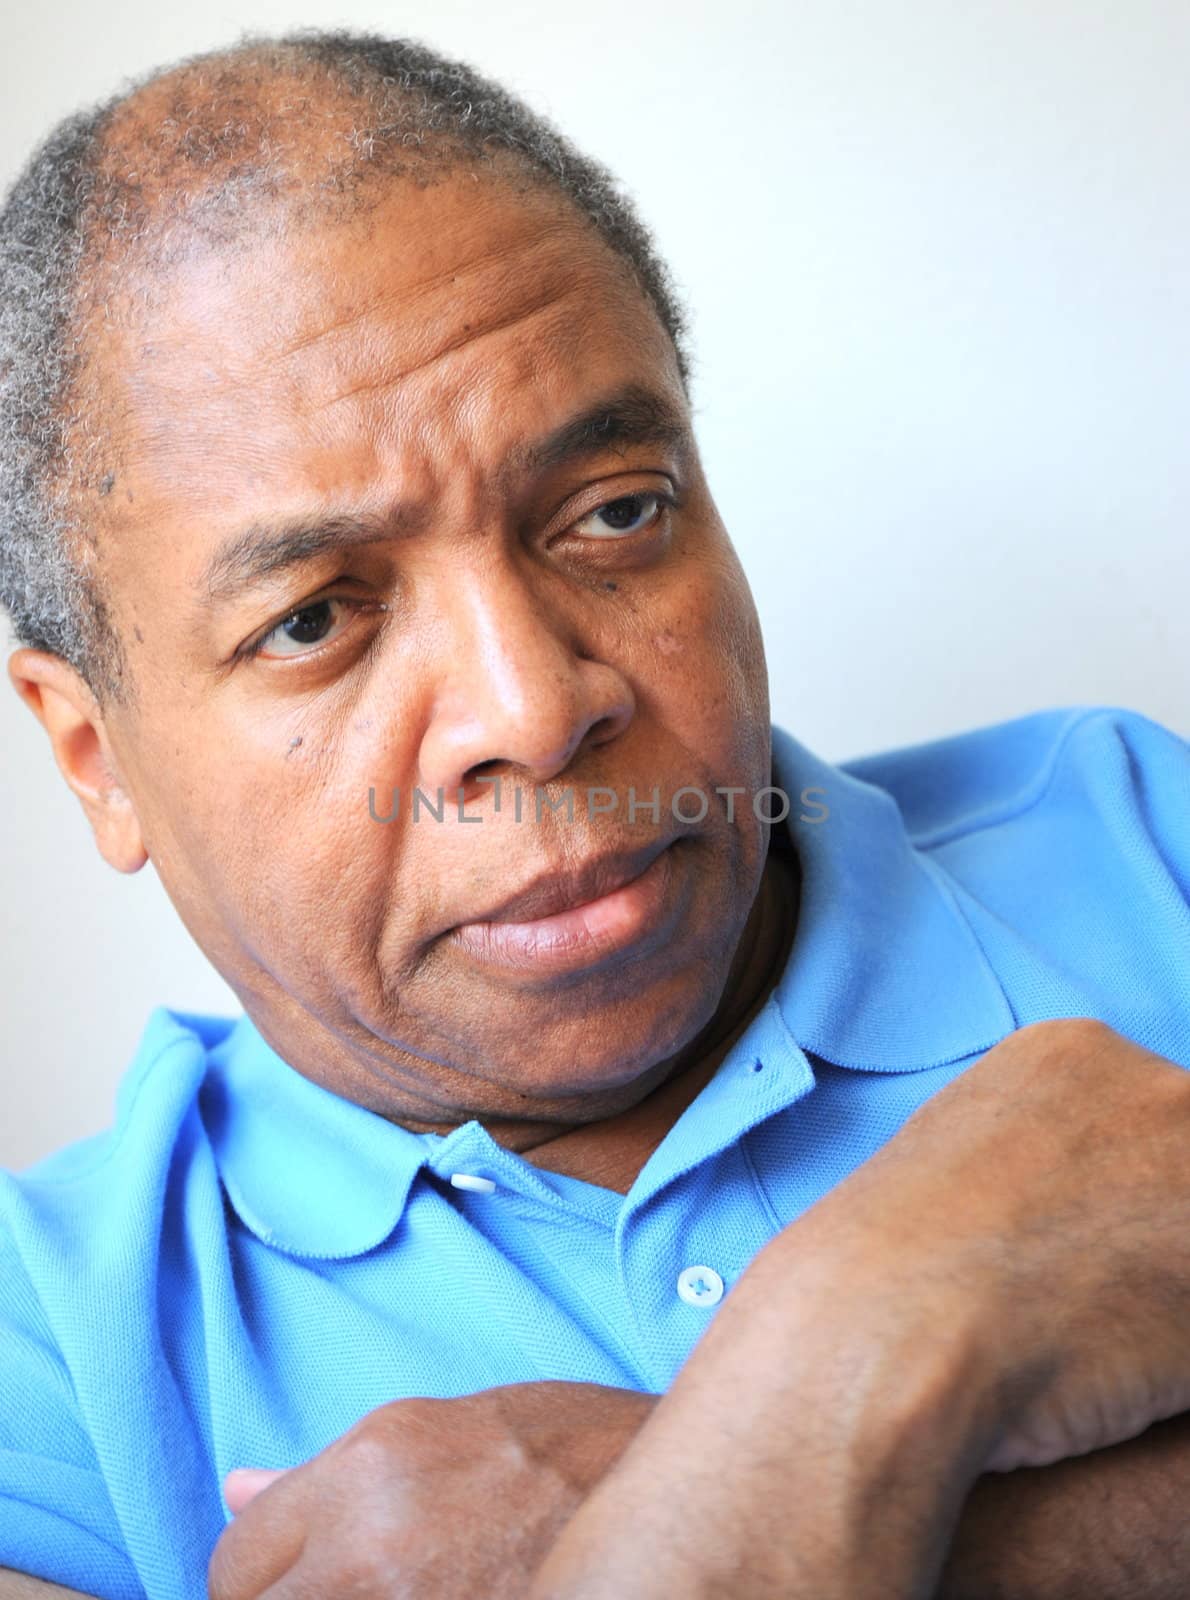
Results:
x,y
608,1051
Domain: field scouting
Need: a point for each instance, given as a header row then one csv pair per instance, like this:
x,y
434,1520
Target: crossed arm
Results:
x,y
1006,1286
1112,1524
16,1586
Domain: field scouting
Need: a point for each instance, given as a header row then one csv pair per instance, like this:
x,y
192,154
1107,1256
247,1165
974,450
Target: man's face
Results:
x,y
344,563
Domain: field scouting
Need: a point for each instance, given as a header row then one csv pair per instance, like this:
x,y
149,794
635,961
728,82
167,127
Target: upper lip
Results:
x,y
552,892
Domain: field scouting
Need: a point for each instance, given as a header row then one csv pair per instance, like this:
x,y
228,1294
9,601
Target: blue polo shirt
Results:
x,y
246,1263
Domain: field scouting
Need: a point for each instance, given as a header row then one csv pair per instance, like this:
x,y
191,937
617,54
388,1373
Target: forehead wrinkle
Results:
x,y
633,414
410,294
551,284
370,385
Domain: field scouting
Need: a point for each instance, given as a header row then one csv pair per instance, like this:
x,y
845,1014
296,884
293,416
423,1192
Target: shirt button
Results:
x,y
468,1180
700,1286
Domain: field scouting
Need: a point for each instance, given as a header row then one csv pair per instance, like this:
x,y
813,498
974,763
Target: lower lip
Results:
x,y
581,935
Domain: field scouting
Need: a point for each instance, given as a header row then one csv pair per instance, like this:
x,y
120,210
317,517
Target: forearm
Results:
x,y
1115,1524
17,1586
746,1435
794,1457
1034,1309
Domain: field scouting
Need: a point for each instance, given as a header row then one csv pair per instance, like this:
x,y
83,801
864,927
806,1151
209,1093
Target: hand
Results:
x,y
1006,1283
1048,1191
427,1499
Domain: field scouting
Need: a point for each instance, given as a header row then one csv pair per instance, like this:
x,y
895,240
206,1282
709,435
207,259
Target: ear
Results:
x,y
62,702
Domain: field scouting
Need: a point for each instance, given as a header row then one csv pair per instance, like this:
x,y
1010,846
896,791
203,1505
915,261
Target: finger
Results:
x,y
243,1484
264,1543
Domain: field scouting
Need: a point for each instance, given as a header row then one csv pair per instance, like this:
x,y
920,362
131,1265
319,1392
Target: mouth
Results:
x,y
565,921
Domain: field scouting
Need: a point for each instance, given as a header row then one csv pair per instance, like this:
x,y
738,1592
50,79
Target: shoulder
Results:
x,y
1098,766
56,1514
71,1209
1063,840
160,1081
96,1412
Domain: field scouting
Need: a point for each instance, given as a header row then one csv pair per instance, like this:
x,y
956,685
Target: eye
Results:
x,y
303,630
630,513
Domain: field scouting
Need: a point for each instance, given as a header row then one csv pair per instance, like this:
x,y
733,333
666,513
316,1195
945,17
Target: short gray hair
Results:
x,y
80,198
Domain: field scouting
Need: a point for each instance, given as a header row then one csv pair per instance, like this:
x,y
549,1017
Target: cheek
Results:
x,y
705,658
277,842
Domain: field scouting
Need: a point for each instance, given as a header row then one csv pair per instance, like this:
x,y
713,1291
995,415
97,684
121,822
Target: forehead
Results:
x,y
441,321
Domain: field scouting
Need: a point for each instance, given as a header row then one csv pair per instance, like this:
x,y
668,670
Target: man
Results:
x,y
368,584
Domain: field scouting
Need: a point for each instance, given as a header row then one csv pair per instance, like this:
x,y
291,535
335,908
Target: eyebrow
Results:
x,y
633,415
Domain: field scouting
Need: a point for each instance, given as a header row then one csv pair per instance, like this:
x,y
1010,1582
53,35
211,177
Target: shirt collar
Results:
x,y
885,975
309,1172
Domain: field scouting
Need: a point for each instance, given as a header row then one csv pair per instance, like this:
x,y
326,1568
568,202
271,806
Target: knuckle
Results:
x,y
356,1441
1064,1045
377,1432
1069,1031
391,1434
1065,1054
365,1453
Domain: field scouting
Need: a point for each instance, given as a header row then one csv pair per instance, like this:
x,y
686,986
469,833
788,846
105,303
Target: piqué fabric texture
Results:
x,y
246,1264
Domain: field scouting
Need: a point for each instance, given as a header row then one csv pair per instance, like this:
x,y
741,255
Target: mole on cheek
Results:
x,y
667,643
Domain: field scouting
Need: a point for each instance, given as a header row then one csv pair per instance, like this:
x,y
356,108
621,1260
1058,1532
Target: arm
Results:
x,y
1111,1524
819,1444
1005,1285
18,1586
56,1515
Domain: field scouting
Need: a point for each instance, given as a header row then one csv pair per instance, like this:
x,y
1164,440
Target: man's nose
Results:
x,y
518,693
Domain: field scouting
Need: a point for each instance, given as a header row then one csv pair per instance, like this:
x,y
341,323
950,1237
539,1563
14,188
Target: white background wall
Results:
x,y
938,257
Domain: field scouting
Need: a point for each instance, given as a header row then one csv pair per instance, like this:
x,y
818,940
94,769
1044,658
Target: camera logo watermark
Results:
x,y
689,804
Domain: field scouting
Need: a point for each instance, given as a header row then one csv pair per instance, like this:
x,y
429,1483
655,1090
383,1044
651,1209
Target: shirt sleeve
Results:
x,y
56,1519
